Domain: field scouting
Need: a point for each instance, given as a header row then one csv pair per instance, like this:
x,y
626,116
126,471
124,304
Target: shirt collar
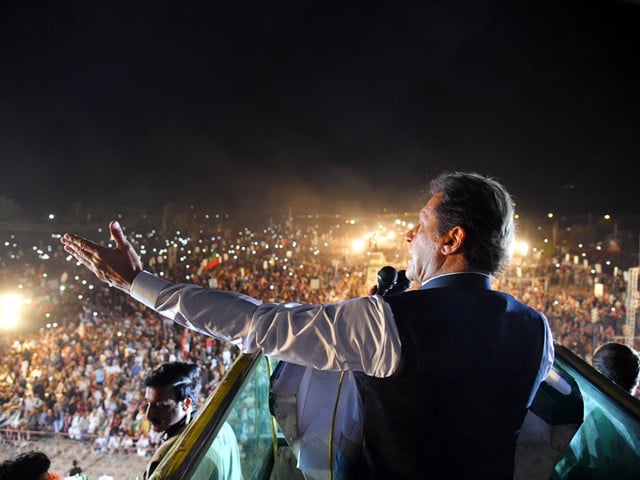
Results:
x,y
175,429
459,279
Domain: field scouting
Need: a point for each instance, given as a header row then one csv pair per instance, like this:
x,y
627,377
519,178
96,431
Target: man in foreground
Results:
x,y
171,393
31,465
444,374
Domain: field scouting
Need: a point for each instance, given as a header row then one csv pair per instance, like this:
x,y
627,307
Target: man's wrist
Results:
x,y
146,287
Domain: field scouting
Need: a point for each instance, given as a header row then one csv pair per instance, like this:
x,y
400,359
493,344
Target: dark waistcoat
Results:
x,y
470,359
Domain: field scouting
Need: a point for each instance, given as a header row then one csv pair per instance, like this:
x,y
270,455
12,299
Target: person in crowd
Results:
x,y
75,469
142,445
32,465
619,363
172,392
400,347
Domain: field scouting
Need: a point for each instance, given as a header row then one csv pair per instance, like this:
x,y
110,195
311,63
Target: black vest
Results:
x,y
469,362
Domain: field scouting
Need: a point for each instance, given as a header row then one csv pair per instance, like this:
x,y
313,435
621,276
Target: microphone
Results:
x,y
387,277
402,283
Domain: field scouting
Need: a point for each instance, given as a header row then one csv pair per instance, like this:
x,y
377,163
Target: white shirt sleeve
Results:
x,y
358,335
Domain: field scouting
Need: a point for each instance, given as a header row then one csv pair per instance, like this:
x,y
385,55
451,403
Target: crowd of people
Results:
x,y
580,320
78,372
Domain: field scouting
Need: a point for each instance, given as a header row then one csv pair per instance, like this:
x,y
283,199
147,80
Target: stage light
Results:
x,y
10,305
358,246
522,248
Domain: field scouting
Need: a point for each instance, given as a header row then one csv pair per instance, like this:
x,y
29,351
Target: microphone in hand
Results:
x,y
391,281
402,283
387,277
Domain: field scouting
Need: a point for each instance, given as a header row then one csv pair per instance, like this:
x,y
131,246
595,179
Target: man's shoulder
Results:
x,y
449,298
518,305
163,448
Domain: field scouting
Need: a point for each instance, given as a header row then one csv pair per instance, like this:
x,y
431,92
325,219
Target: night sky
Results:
x,y
322,106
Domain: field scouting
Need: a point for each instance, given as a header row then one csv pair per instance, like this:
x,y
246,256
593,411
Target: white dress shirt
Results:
x,y
357,335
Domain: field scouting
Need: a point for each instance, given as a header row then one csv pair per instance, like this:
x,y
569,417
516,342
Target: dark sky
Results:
x,y
319,105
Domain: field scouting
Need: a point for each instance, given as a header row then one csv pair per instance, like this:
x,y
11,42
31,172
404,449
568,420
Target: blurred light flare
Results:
x,y
358,245
10,306
522,247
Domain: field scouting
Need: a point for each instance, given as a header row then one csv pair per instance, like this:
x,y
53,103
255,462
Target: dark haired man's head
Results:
x,y
171,392
619,363
484,209
467,225
26,466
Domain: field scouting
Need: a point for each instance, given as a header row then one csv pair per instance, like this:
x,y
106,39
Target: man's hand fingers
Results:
x,y
85,251
79,243
83,256
117,234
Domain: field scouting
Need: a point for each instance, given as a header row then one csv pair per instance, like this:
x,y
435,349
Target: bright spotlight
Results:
x,y
358,246
522,248
10,304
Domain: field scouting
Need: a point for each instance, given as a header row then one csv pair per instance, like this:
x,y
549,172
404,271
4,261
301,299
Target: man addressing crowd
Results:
x,y
444,373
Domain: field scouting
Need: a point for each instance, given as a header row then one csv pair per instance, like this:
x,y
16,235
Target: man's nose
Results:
x,y
410,234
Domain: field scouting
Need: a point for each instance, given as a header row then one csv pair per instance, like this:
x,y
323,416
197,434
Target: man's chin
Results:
x,y
409,274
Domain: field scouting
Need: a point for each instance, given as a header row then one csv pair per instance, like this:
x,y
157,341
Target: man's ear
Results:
x,y
186,403
453,241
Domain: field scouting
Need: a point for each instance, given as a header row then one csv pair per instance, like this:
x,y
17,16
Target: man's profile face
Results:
x,y
163,409
425,258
